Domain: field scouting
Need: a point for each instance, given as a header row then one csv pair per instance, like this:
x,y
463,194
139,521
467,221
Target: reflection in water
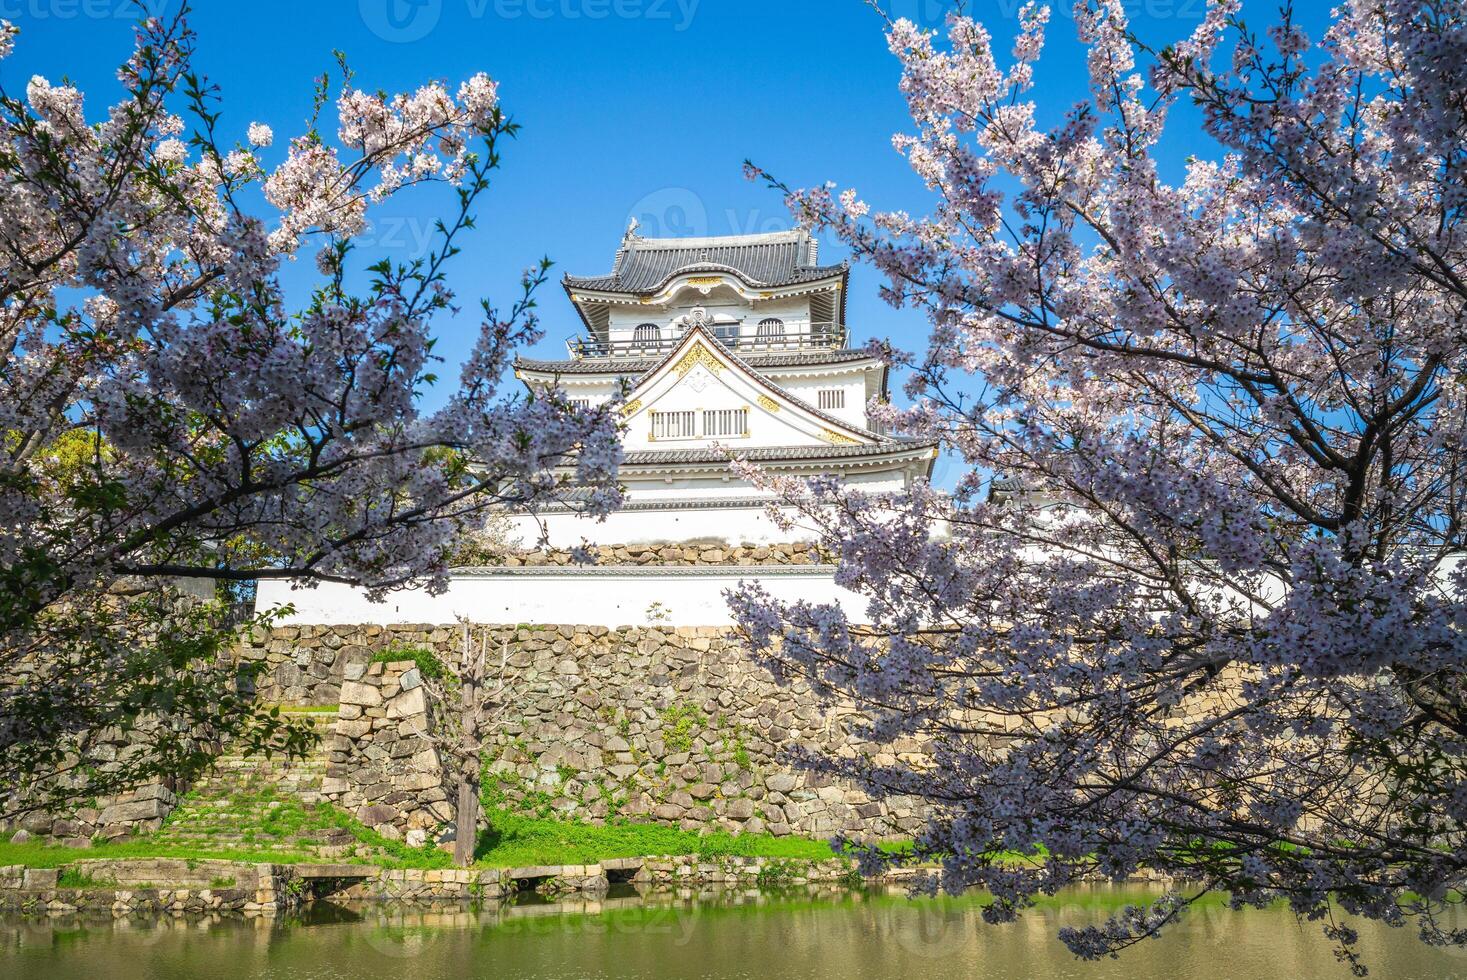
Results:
x,y
711,934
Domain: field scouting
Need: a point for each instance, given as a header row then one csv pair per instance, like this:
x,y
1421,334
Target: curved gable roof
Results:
x,y
644,265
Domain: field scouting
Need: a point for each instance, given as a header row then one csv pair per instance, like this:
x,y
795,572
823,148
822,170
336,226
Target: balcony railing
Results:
x,y
802,335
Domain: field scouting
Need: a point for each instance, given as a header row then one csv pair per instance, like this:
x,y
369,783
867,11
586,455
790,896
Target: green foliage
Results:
x,y
775,874
680,725
427,662
118,664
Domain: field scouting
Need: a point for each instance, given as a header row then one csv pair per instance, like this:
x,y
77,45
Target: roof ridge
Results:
x,y
714,454
759,360
790,236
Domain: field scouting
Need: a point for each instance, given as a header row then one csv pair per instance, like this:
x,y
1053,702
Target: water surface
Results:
x,y
712,935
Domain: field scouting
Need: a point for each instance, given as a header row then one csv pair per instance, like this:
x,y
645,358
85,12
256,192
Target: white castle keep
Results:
x,y
723,345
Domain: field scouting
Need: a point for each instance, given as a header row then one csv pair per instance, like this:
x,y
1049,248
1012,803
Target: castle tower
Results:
x,y
724,345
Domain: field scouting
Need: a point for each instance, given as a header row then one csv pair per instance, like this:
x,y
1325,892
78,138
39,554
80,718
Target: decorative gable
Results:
x,y
701,395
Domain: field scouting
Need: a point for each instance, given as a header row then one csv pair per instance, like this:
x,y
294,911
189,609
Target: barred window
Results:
x,y
647,333
832,398
771,326
726,422
673,425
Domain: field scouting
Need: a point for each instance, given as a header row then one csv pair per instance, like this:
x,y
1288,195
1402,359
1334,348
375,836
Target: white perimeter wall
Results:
x,y
548,597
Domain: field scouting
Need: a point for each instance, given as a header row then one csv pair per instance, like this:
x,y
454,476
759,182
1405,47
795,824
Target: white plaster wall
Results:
x,y
853,384
592,600
732,524
719,303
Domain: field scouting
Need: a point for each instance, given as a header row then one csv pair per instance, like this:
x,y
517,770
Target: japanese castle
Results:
x,y
724,345
720,346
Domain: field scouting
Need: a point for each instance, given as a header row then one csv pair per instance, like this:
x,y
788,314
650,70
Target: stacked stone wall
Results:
x,y
702,553
384,768
674,725
153,885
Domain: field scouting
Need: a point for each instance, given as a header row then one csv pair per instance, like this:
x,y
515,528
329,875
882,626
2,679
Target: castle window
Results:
x,y
647,333
726,422
771,327
832,398
673,425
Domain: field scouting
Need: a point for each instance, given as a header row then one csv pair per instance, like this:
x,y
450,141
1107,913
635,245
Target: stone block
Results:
x,y
407,704
356,692
41,879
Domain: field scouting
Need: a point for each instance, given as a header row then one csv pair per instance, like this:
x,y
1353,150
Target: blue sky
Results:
x,y
639,108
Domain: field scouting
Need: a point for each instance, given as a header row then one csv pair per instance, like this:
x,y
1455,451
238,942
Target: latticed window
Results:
x,y
832,398
673,425
771,327
725,422
647,333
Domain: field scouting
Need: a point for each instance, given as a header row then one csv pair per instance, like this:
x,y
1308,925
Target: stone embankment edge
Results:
x,y
169,886
150,886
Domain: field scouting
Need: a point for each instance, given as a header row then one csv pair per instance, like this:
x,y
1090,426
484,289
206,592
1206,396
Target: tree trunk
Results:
x,y
466,825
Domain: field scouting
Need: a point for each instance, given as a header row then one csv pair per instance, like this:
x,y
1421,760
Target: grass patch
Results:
x,y
428,664
277,826
72,878
515,839
36,855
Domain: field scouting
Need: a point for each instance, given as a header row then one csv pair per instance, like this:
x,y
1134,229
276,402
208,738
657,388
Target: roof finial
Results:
x,y
632,226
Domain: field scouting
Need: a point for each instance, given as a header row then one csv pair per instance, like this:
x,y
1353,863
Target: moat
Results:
x,y
713,935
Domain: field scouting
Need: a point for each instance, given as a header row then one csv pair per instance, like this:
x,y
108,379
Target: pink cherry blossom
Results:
x,y
1196,601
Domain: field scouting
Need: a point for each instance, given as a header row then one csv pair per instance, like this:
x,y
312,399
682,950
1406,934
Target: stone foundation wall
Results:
x,y
151,885
307,666
136,811
384,768
675,725
708,553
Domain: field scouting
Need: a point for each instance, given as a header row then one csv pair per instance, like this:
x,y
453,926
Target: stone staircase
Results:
x,y
269,805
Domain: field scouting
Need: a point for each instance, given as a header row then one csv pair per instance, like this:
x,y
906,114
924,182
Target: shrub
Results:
x,y
428,664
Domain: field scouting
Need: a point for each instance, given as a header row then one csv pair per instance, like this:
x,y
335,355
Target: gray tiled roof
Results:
x,y
659,457
644,265
641,365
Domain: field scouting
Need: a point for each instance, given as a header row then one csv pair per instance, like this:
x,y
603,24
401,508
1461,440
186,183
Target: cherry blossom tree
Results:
x,y
166,414
1197,602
